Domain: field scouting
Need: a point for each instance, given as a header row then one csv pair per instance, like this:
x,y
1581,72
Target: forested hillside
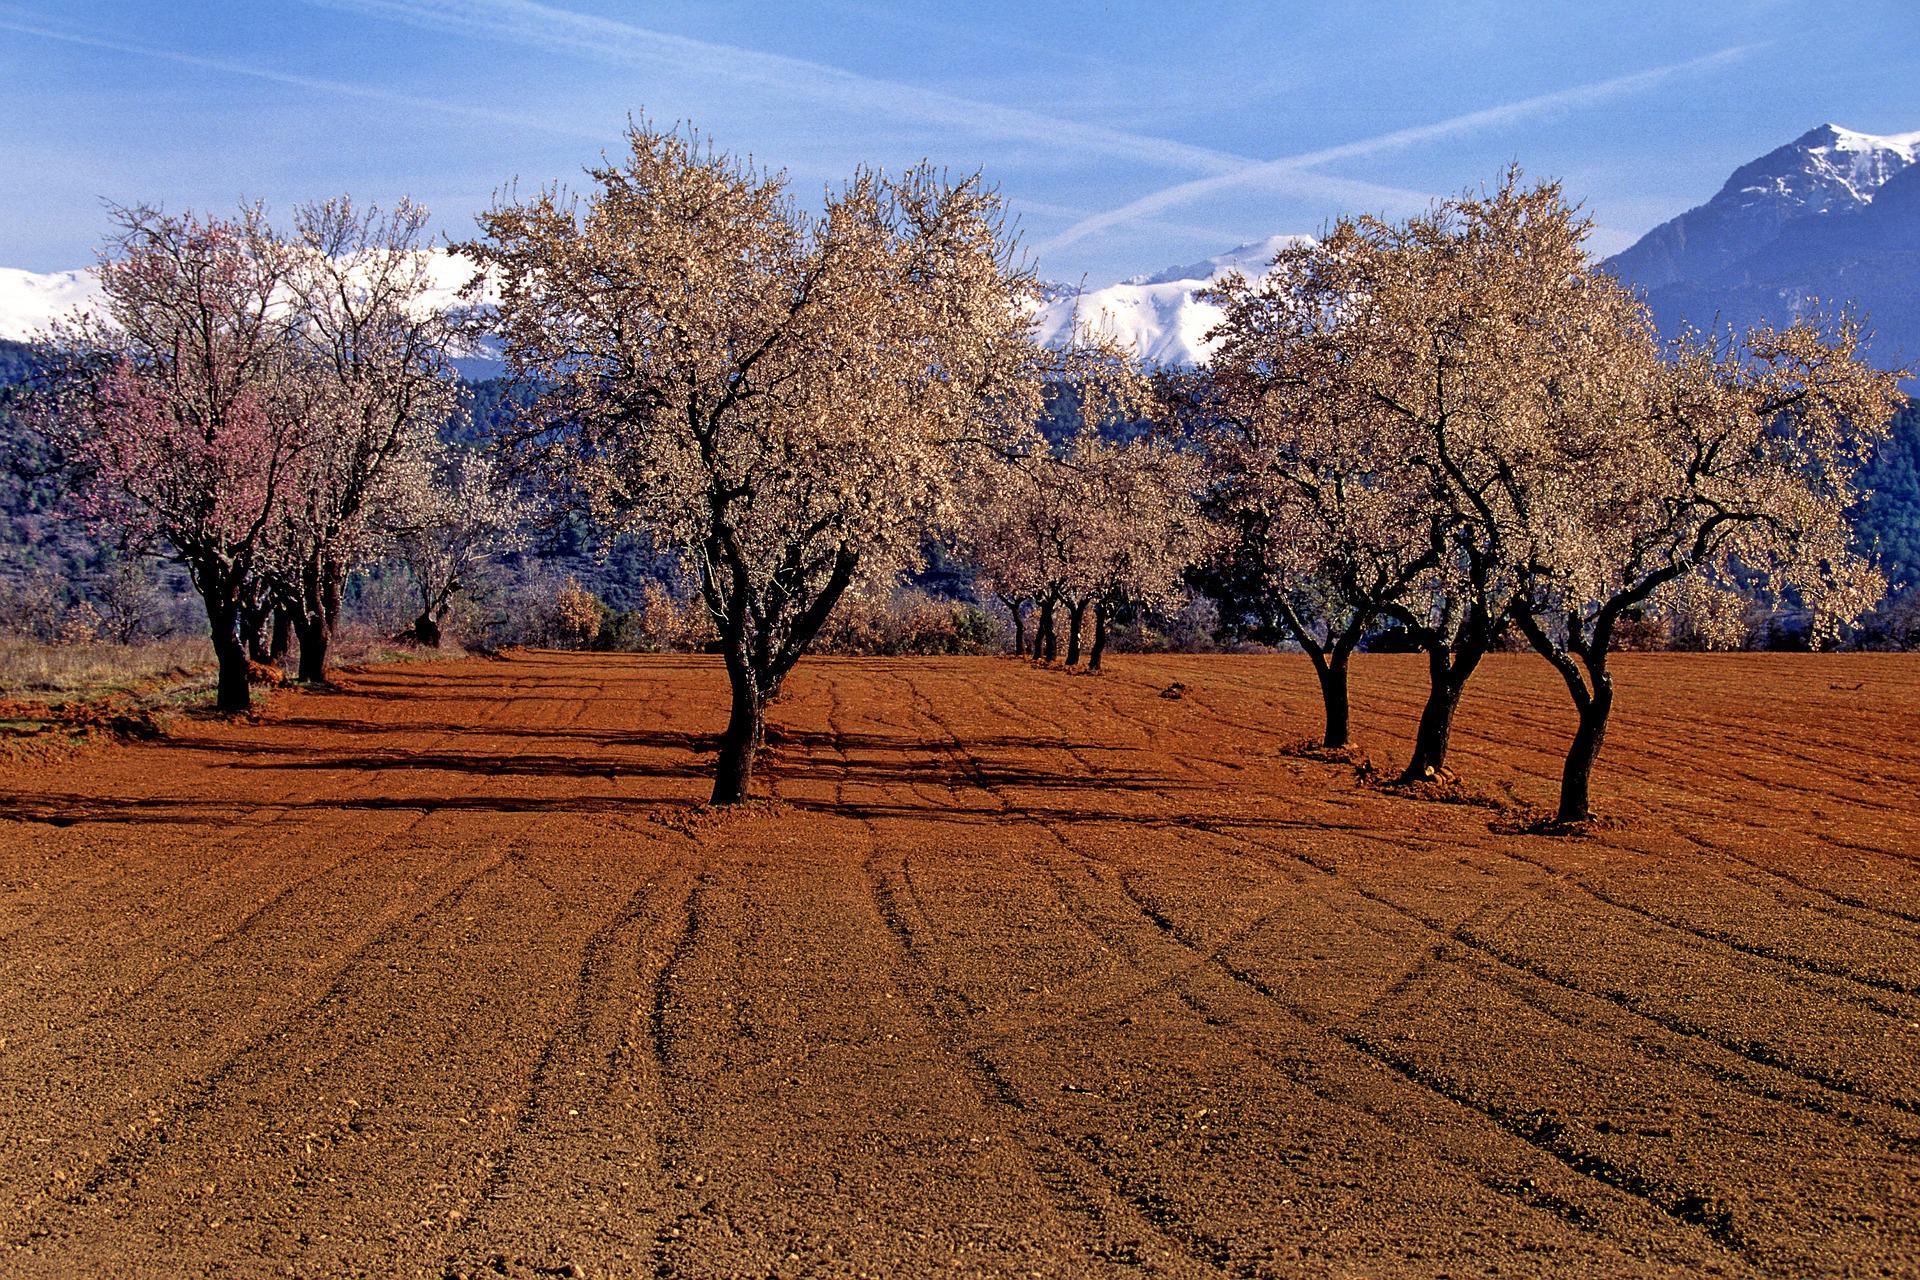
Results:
x,y
1889,520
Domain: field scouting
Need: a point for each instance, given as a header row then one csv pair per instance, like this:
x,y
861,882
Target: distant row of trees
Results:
x,y
1454,425
1093,525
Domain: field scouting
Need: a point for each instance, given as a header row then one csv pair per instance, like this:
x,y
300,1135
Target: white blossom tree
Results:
x,y
1576,470
1138,529
1325,522
374,350
1342,377
994,537
1731,460
786,397
1055,523
453,511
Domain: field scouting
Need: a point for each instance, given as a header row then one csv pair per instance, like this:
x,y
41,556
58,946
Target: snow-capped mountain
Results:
x,y
1826,171
29,302
1157,315
1831,219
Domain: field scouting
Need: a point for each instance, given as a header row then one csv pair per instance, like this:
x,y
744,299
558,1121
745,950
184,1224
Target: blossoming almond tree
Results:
x,y
786,396
1347,373
1738,458
1093,521
1587,470
182,408
1140,530
993,537
374,350
452,511
1326,524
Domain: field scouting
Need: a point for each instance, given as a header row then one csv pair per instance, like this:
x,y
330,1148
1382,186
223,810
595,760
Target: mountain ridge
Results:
x,y
1829,219
1827,222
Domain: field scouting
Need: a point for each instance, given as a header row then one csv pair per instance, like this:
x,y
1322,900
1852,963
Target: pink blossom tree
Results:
x,y
180,407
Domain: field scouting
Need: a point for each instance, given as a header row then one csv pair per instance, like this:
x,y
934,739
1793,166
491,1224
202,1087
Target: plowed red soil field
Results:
x,y
1024,974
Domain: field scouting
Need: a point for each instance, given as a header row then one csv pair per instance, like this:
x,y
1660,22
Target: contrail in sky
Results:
x,y
341,87
545,26
1256,174
300,81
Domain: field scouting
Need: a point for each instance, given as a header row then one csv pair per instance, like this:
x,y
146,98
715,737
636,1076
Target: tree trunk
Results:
x,y
1436,729
314,639
316,618
1019,625
332,583
1099,636
426,631
746,729
1076,619
254,625
282,635
1332,670
1591,687
1043,638
1446,680
1330,665
1576,776
756,668
230,648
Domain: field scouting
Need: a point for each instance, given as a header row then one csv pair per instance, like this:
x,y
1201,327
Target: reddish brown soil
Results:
x,y
1027,973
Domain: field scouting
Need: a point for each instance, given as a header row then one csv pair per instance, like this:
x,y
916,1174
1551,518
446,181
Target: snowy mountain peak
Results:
x,y
1830,170
1830,220
30,302
1248,259
1823,169
1838,137
1157,315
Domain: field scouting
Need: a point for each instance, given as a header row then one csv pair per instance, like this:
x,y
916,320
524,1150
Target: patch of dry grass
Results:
x,y
358,646
32,671
59,699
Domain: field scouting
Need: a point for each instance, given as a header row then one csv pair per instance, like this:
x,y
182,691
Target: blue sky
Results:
x,y
1127,136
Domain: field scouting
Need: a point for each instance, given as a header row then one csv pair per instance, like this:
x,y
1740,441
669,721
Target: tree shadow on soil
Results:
x,y
910,776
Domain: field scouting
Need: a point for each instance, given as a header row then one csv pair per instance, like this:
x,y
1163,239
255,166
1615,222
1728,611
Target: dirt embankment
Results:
x,y
1025,973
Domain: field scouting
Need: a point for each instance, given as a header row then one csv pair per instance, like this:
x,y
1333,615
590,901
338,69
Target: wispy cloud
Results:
x,y
545,26
341,88
1267,172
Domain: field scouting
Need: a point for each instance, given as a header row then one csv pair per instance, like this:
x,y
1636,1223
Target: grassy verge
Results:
x,y
56,700
35,672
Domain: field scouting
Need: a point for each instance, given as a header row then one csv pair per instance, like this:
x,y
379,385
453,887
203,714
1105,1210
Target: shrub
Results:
x,y
578,616
910,622
664,623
